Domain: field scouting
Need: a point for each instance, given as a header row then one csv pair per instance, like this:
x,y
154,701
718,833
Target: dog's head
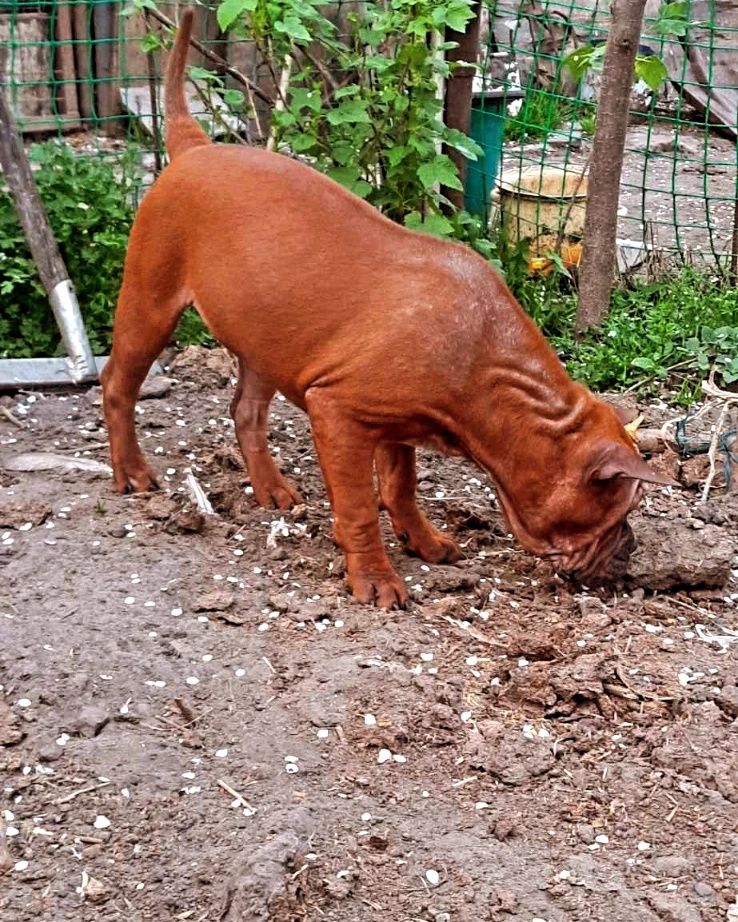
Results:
x,y
575,514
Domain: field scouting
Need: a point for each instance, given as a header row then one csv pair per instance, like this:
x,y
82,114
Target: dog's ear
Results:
x,y
614,460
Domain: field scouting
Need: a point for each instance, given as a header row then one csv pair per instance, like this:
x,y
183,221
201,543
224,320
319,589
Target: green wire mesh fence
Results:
x,y
678,190
90,72
79,70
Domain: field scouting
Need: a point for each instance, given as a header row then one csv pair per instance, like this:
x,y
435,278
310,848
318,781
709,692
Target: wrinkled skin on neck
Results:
x,y
567,473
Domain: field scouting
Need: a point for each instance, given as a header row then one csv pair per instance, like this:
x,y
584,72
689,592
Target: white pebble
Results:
x,y
427,657
433,877
370,720
129,600
384,756
644,846
221,753
192,680
365,817
323,733
400,759
101,822
24,703
11,832
291,768
602,839
176,612
20,865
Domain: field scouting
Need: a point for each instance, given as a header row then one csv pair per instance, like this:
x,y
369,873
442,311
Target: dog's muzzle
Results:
x,y
607,561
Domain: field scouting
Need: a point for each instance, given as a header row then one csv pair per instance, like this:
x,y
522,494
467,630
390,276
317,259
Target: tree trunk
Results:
x,y
457,106
600,225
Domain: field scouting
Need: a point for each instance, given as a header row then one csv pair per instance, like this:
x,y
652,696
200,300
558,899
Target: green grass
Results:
x,y
544,113
688,319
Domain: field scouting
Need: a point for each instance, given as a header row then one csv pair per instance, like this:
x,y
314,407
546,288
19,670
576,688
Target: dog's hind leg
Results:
x,y
250,411
143,325
395,465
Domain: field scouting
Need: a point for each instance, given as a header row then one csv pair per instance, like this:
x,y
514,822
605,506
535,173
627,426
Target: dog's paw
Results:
x,y
279,495
433,547
134,479
383,589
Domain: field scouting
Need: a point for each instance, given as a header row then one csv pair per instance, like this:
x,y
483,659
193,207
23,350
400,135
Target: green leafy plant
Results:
x,y
361,103
649,68
90,203
673,19
687,324
542,112
718,348
210,83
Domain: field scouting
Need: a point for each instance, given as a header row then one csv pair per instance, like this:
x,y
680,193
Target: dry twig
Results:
x,y
4,411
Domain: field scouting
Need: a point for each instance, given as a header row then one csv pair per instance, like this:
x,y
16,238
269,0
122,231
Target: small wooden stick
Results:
x,y
92,787
712,453
4,411
234,794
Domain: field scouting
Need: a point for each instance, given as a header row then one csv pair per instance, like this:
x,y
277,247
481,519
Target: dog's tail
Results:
x,y
182,131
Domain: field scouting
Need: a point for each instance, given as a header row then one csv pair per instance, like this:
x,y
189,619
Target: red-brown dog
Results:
x,y
387,338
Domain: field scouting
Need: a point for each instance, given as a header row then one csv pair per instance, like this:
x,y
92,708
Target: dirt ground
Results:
x,y
197,723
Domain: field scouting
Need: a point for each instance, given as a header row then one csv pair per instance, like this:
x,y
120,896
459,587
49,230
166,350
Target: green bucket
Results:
x,y
487,128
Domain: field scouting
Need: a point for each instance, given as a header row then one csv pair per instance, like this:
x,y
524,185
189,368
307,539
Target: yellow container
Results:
x,y
534,203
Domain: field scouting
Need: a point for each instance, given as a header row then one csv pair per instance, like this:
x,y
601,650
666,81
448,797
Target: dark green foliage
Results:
x,y
90,205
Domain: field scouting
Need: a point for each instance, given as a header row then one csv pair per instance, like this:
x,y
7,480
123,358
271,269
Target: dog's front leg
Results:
x,y
397,486
346,453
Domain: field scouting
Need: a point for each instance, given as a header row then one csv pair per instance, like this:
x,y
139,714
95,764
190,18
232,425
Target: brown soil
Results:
x,y
197,723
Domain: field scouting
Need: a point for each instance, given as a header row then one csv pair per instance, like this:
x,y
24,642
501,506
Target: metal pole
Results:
x,y
45,252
